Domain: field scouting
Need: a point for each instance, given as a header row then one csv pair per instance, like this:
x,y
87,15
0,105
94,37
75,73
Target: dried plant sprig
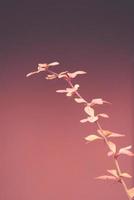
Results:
x,y
115,174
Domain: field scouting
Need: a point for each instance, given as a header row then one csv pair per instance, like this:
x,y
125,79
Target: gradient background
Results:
x,y
42,151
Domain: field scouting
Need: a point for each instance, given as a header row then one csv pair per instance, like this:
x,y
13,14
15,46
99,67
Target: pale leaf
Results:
x,y
74,74
98,101
93,119
126,151
84,120
106,177
69,91
69,94
42,66
50,77
131,192
103,115
89,110
76,86
113,172
110,153
89,119
91,138
53,64
126,175
108,133
63,74
80,100
61,91
32,73
112,146
116,135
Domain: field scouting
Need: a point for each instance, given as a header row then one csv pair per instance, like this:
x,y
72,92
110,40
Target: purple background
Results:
x,y
42,151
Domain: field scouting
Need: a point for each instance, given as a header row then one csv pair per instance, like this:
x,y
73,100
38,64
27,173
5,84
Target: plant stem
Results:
x,y
68,80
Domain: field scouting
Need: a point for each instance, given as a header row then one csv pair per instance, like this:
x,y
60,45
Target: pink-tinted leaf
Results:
x,y
110,153
89,119
112,146
108,133
91,138
76,86
50,77
98,101
116,135
107,177
126,175
84,120
63,74
131,192
74,74
32,73
126,151
103,115
61,91
69,91
53,63
113,172
89,110
80,100
93,119
43,66
69,94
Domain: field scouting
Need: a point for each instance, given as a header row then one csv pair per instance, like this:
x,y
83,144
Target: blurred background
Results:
x,y
43,154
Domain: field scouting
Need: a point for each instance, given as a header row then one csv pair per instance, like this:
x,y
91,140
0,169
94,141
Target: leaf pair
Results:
x,y
91,115
103,133
65,75
42,67
114,175
69,91
124,150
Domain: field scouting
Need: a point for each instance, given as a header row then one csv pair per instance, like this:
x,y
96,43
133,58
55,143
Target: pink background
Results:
x,y
43,154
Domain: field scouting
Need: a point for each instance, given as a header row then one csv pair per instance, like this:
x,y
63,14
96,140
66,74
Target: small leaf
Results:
x,y
125,150
61,91
63,74
32,73
106,177
89,110
50,77
110,153
89,119
126,175
113,172
76,86
108,133
112,146
42,66
74,74
80,100
91,138
116,135
98,101
131,192
103,115
69,91
53,64
84,120
93,119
